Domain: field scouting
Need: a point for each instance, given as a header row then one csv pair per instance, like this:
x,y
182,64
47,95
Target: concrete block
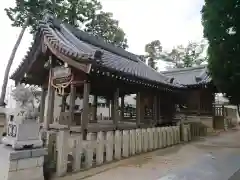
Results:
x,y
175,134
144,140
39,152
155,138
13,165
109,146
28,174
125,144
171,135
27,163
159,132
150,138
99,148
117,144
40,161
62,147
132,142
77,155
164,138
88,152
23,154
138,141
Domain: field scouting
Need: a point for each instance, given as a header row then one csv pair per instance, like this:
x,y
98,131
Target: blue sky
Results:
x,y
173,22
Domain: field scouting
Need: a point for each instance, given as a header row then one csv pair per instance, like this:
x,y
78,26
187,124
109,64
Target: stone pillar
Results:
x,y
85,114
72,104
42,105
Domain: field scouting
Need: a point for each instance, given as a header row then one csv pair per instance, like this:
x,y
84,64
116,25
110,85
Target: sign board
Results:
x,y
61,75
61,72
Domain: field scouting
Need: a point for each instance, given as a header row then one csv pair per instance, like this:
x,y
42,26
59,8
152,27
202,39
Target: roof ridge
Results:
x,y
184,69
93,40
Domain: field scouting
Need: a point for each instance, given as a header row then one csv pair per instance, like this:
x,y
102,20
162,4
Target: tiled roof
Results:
x,y
78,45
189,76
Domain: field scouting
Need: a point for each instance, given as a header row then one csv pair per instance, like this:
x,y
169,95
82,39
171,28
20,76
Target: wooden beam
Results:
x,y
72,104
85,118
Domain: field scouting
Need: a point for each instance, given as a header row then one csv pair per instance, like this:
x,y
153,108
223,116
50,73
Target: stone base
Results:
x,y
37,143
24,164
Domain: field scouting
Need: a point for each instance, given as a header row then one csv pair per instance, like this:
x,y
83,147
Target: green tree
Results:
x,y
187,56
105,26
153,53
83,14
221,21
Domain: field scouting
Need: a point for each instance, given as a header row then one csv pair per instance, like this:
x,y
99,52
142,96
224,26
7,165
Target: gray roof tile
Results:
x,y
75,44
189,76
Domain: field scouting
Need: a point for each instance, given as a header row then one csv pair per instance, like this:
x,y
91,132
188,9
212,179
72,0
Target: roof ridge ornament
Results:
x,y
48,16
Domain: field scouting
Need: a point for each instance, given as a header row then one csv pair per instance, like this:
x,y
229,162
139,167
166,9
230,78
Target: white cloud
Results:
x,y
173,22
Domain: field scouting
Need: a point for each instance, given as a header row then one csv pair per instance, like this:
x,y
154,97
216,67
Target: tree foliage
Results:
x,y
221,21
153,53
84,14
187,56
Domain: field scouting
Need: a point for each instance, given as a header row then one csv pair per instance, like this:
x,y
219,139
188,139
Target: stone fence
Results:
x,y
68,153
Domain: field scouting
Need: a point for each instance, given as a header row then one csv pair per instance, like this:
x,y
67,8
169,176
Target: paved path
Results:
x,y
211,158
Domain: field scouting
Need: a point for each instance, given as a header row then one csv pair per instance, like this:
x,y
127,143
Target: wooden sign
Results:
x,y
61,74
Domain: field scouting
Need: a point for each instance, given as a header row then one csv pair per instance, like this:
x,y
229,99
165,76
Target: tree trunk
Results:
x,y
10,61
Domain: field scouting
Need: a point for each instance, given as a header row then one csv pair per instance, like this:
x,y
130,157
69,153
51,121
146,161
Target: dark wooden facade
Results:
x,y
199,97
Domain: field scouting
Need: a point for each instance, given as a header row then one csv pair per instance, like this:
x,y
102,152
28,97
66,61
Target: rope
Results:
x,y
61,86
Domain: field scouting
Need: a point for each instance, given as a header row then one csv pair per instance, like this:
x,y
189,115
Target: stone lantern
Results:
x,y
23,130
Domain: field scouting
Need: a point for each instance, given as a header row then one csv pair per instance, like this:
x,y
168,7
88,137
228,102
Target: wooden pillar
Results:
x,y
199,102
63,104
122,108
95,101
138,110
116,108
155,110
159,109
50,103
85,113
72,104
112,109
42,105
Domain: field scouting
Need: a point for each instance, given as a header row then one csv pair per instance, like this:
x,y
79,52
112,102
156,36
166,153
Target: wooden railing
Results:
x,y
218,110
